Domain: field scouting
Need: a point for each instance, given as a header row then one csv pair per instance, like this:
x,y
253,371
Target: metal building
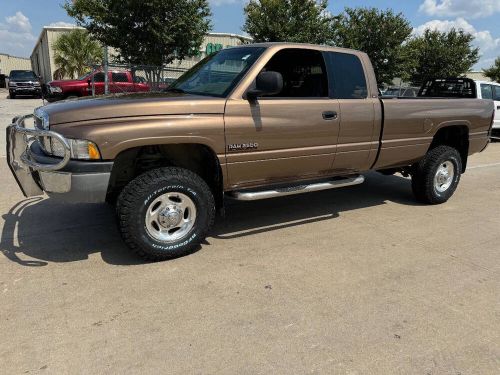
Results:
x,y
8,63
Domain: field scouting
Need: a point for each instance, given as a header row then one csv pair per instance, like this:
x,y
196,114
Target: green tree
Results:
x,y
493,73
381,34
147,32
75,53
438,54
300,21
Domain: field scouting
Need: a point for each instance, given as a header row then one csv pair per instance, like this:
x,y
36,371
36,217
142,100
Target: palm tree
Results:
x,y
75,53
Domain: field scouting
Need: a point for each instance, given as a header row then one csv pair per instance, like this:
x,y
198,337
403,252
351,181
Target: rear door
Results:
x,y
121,83
291,135
359,133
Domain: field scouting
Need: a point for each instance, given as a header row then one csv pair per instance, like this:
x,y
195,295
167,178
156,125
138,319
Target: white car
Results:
x,y
464,88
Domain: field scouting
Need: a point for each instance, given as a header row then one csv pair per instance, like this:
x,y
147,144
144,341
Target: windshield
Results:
x,y
85,76
23,75
218,74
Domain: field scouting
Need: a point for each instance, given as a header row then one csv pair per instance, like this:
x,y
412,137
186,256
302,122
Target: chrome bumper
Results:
x,y
35,178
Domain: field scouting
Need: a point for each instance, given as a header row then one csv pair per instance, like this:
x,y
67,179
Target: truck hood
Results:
x,y
132,105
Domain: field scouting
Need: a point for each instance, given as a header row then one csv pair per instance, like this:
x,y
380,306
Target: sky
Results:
x,y
21,21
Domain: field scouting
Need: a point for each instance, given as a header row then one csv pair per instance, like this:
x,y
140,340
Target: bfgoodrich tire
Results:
x,y
435,178
165,213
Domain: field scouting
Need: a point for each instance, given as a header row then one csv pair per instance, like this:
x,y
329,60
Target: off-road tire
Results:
x,y
12,96
423,173
136,197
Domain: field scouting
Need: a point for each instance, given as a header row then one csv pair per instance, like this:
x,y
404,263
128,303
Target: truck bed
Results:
x,y
409,125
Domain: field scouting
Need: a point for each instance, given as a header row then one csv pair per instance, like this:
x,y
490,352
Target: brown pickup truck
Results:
x,y
251,122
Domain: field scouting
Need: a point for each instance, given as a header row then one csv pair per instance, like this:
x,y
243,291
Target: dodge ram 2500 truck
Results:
x,y
251,122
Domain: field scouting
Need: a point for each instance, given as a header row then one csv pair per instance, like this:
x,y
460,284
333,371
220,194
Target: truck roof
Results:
x,y
320,47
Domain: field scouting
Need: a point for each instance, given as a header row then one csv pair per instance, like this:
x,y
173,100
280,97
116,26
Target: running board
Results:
x,y
254,195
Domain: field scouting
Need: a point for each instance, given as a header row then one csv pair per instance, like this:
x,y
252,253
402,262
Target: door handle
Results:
x,y
498,107
330,115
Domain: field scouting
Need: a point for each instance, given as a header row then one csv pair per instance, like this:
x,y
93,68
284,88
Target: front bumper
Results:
x,y
25,90
61,178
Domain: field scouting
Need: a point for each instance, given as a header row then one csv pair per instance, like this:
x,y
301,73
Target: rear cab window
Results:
x,y
347,76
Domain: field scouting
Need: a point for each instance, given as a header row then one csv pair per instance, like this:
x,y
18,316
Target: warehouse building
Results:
x,y
8,63
42,57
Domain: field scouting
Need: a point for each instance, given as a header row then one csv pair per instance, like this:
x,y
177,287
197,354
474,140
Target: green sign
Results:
x,y
213,47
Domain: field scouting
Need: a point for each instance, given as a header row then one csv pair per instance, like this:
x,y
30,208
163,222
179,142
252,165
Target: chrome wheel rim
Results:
x,y
170,217
444,176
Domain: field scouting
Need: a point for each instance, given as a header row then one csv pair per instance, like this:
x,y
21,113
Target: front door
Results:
x,y
288,136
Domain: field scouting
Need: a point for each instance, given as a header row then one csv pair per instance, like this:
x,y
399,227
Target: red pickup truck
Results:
x,y
119,82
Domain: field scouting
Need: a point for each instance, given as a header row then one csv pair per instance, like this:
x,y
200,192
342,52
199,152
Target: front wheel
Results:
x,y
165,213
435,178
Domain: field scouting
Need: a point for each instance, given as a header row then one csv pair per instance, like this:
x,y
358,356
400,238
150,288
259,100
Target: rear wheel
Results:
x,y
436,177
165,213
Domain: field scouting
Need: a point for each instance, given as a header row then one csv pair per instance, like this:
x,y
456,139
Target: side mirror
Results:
x,y
266,83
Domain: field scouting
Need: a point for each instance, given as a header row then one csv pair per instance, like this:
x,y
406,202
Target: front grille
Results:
x,y
24,84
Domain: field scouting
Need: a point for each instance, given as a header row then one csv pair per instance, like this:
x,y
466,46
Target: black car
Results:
x,y
24,82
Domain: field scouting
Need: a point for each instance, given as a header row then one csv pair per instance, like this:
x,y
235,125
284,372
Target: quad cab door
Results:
x,y
288,136
360,112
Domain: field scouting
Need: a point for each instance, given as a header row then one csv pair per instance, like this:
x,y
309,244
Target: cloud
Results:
x,y
16,37
489,45
460,8
18,23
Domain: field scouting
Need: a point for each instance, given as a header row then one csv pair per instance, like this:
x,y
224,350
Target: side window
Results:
x,y
347,76
496,93
304,73
99,77
487,91
119,77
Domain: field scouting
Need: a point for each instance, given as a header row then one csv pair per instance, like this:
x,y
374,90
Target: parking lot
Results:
x,y
360,280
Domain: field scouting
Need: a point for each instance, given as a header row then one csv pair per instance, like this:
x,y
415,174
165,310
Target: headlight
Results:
x,y
55,89
43,117
80,149
12,84
37,83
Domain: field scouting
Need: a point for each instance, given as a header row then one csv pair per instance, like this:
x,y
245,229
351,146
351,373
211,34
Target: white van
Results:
x,y
464,88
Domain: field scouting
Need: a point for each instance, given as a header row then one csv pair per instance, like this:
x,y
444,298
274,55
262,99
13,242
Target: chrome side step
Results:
x,y
254,195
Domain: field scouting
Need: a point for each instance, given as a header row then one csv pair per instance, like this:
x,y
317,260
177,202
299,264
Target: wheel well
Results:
x,y
456,137
197,158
